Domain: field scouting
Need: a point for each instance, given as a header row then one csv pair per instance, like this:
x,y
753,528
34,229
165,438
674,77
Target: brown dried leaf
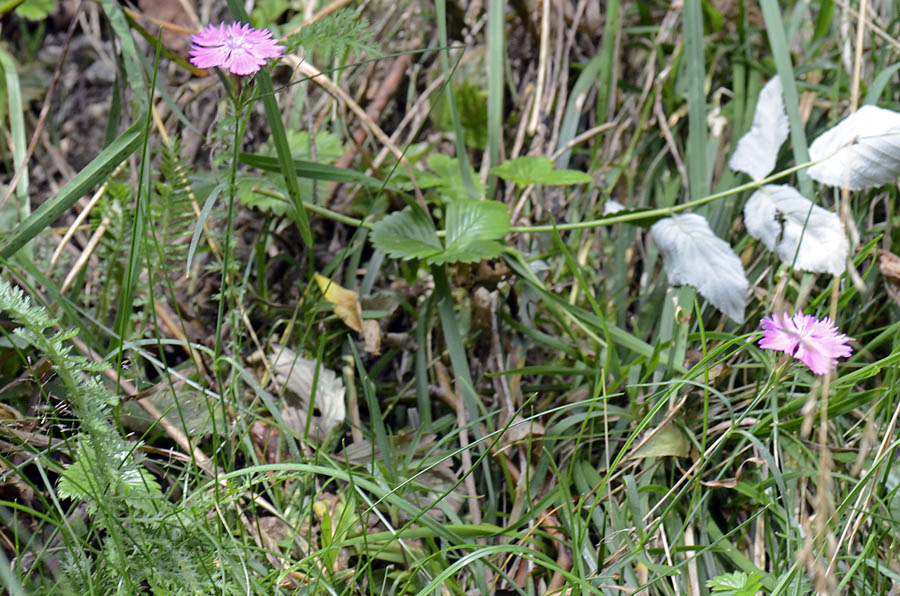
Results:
x,y
372,337
889,264
526,432
166,13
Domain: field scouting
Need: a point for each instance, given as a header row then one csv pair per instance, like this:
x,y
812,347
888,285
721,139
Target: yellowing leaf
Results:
x,y
346,302
667,440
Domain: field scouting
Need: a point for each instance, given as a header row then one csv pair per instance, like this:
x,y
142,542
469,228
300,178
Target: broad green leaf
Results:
x,y
537,169
473,230
407,234
471,251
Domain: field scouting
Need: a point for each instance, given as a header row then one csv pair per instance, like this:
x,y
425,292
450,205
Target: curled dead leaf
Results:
x,y
733,482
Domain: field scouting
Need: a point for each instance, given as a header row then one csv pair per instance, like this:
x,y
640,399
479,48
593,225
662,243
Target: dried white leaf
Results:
x,y
611,206
758,149
784,220
295,374
697,257
861,151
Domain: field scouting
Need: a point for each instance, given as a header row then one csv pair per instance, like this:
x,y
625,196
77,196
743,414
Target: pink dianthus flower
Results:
x,y
816,343
237,47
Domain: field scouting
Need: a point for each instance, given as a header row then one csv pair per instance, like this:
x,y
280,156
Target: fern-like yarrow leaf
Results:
x,y
339,32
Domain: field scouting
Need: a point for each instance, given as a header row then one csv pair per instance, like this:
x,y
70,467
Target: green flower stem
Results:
x,y
662,212
580,225
326,213
229,225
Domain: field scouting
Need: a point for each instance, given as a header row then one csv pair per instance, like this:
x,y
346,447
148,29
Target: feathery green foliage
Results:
x,y
171,207
339,33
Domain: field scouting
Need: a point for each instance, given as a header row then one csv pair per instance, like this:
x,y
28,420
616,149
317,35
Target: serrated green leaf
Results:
x,y
246,193
474,219
447,178
73,482
472,252
473,230
537,169
139,489
407,234
735,584
83,480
